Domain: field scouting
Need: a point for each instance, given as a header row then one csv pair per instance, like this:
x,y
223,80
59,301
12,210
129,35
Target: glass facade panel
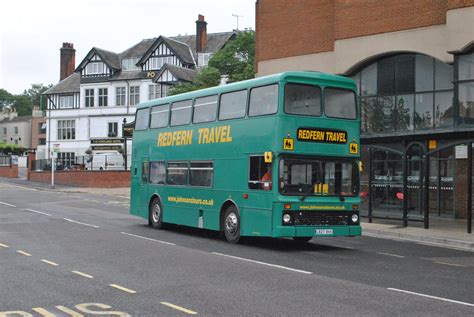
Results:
x,y
466,102
466,67
386,103
424,73
444,110
403,112
423,116
443,76
368,80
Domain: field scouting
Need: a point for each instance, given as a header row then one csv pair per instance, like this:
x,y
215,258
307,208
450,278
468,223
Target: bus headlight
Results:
x,y
355,218
286,218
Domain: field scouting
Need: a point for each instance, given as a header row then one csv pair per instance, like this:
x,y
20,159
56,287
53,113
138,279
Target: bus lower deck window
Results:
x,y
260,173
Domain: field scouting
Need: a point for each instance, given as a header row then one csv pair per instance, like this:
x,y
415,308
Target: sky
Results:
x,y
32,31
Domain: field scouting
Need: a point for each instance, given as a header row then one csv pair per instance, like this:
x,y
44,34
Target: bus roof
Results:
x,y
264,80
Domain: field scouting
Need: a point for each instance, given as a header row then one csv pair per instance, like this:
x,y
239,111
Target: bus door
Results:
x,y
144,180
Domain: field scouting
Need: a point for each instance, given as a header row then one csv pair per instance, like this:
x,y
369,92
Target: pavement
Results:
x,y
447,233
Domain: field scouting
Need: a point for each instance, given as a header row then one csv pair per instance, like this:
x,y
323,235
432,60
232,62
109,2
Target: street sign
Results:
x,y
56,148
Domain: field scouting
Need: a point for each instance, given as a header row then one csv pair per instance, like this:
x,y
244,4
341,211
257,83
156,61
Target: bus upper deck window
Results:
x,y
205,109
263,100
159,116
233,105
339,103
303,99
181,112
141,121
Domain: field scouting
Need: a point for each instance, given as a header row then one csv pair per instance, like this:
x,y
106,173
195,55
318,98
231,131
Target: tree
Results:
x,y
34,93
6,98
237,58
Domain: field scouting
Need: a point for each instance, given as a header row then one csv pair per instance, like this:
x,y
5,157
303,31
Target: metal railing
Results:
x,y
5,160
106,162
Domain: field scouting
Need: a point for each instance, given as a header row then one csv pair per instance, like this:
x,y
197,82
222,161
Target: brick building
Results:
x,y
413,61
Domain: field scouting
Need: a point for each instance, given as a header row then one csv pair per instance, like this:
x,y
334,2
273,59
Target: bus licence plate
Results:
x,y
323,231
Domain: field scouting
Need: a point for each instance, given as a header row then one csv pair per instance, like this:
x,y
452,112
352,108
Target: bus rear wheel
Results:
x,y
232,224
302,239
155,214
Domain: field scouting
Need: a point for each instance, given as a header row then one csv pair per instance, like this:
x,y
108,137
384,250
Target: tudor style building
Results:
x,y
86,109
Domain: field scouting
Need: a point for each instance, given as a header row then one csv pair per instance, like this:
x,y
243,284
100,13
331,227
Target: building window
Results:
x,y
120,96
158,62
466,88
112,129
203,59
15,130
4,130
130,64
154,92
41,141
134,95
66,160
42,127
94,68
66,102
406,92
66,129
164,90
89,97
103,97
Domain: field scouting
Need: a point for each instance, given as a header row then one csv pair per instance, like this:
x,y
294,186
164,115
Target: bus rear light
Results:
x,y
245,196
355,207
287,206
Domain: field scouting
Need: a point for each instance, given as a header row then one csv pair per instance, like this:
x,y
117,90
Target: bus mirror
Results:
x,y
268,157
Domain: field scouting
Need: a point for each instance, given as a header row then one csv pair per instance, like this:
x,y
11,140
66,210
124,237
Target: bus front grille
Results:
x,y
321,218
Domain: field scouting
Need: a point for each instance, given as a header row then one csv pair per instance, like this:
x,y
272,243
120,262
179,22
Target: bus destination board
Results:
x,y
322,135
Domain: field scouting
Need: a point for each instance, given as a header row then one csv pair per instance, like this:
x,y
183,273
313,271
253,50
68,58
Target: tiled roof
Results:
x,y
180,73
16,119
110,58
215,41
70,84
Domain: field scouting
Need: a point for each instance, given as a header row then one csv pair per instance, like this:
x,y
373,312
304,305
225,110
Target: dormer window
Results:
x,y
130,64
95,68
203,59
158,62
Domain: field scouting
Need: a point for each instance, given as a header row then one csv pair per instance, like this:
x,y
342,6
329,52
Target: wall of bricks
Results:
x,y
287,28
9,171
92,179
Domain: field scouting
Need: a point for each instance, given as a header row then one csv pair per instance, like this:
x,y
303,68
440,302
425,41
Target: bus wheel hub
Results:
x,y
231,223
156,213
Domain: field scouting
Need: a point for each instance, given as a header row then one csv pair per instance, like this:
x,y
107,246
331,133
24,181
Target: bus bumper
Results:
x,y
317,231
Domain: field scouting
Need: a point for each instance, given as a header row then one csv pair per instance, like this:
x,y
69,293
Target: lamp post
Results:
x,y
124,142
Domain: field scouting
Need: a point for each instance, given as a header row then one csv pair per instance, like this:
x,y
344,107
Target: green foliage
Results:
x,y
24,102
14,149
34,93
237,58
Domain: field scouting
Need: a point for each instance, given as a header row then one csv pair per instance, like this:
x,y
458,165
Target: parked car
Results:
x,y
101,162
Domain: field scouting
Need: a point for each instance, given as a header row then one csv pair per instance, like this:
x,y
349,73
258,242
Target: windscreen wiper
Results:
x,y
310,189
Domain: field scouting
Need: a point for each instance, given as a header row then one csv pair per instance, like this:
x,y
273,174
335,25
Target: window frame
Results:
x,y
89,94
102,99
119,96
167,121
323,100
205,168
187,173
230,92
303,84
190,115
216,113
148,116
149,168
249,98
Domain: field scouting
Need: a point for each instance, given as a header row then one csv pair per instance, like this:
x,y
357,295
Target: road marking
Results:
x,y
82,274
126,197
390,254
7,204
182,309
131,291
43,312
145,238
432,297
4,245
81,223
49,262
38,212
263,263
23,253
451,264
29,188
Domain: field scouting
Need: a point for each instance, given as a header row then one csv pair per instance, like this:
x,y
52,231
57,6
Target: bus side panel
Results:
x,y
256,222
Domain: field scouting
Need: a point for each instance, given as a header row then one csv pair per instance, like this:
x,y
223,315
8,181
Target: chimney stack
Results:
x,y
68,60
201,34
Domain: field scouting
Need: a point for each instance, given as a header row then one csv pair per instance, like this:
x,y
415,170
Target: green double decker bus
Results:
x,y
275,156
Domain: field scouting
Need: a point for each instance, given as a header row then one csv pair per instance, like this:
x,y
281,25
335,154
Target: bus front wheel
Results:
x,y
232,224
155,216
